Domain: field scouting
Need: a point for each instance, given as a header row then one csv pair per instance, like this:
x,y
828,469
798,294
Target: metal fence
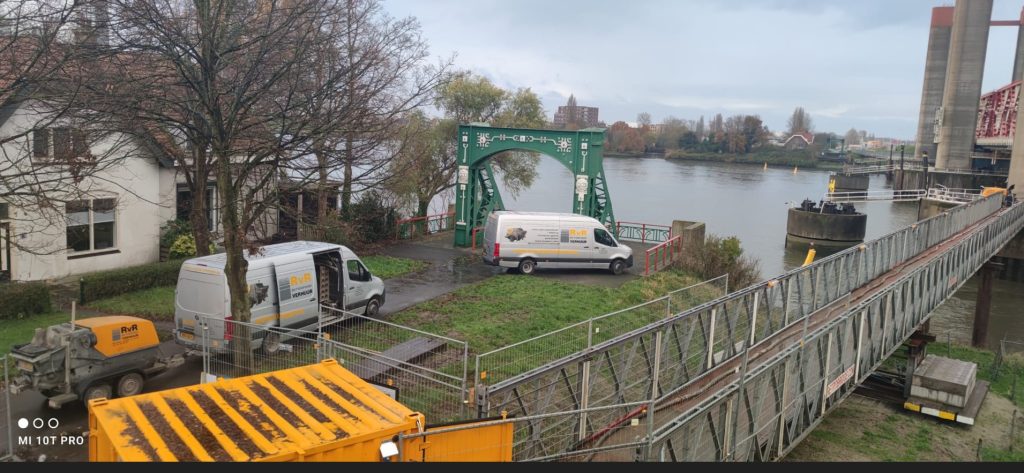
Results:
x,y
501,364
642,232
270,349
6,420
695,363
428,371
662,255
419,226
560,441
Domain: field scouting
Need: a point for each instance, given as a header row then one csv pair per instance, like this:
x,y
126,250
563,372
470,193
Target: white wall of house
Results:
x,y
144,193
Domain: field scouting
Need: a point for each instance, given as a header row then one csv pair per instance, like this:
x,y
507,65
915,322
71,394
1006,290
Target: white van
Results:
x,y
530,240
287,284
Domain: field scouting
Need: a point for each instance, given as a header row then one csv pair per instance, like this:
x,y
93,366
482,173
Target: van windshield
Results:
x,y
201,297
603,237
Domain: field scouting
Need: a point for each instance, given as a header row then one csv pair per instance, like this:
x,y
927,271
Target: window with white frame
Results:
x,y
90,224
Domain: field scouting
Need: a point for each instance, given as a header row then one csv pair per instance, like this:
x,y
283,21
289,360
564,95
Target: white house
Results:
x,y
110,218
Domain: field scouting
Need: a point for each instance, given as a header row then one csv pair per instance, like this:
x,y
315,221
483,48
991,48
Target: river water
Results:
x,y
751,203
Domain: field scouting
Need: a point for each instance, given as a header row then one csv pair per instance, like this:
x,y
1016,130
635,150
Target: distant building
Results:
x,y
799,140
571,113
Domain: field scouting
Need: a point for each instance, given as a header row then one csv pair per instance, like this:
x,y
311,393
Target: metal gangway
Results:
x,y
940,193
747,376
871,168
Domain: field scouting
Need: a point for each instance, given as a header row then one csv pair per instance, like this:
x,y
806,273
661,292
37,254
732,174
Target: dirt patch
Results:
x,y
199,430
226,425
243,406
299,400
862,429
324,398
277,406
177,446
133,432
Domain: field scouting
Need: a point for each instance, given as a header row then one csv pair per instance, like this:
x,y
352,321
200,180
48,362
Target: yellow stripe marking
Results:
x,y
304,438
947,415
250,431
283,315
911,407
223,439
163,452
182,432
297,411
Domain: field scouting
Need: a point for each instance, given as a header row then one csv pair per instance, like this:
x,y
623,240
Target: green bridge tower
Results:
x,y
476,191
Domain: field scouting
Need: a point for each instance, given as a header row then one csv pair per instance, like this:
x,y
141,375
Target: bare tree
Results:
x,y
237,93
800,122
381,62
643,119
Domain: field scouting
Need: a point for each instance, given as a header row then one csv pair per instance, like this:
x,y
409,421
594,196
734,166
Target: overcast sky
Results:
x,y
849,63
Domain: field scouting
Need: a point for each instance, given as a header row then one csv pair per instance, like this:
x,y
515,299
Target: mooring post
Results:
x,y
983,304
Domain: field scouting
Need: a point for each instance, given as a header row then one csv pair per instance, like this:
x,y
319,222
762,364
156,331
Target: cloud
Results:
x,y
850,64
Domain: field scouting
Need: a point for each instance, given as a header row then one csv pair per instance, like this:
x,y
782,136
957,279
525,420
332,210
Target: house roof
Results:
x,y
804,135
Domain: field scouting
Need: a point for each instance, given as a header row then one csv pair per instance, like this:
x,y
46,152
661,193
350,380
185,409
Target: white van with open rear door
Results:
x,y
287,282
530,240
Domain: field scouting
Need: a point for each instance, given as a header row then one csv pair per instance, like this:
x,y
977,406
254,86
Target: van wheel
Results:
x,y
527,266
130,385
97,391
372,307
271,343
617,267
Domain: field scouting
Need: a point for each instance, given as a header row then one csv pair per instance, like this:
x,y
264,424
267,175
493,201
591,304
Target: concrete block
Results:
x,y
944,380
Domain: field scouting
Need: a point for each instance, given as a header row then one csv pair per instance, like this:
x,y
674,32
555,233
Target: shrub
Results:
x,y
372,219
120,281
185,247
172,229
18,300
718,256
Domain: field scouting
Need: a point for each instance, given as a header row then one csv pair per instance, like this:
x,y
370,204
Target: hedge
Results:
x,y
105,284
21,299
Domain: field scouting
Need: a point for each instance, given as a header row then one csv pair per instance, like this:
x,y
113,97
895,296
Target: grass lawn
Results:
x,y
158,303
387,267
18,331
155,303
509,308
870,431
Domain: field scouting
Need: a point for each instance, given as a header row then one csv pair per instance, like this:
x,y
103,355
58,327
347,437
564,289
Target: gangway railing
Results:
x,y
681,364
956,196
874,196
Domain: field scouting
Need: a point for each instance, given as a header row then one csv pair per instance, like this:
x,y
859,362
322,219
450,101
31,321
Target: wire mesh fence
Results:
x,y
561,440
405,344
427,370
440,397
501,364
232,349
6,421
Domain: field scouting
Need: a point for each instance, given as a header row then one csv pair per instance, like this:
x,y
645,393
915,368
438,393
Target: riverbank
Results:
x,y
863,429
787,158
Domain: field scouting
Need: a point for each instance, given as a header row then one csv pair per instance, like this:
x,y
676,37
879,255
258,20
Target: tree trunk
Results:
x,y
423,206
197,217
236,266
346,183
321,188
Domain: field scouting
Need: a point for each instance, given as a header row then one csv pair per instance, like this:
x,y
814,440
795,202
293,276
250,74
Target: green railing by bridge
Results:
x,y
642,232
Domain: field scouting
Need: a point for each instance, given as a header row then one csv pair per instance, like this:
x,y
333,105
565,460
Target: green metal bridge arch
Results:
x,y
476,191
